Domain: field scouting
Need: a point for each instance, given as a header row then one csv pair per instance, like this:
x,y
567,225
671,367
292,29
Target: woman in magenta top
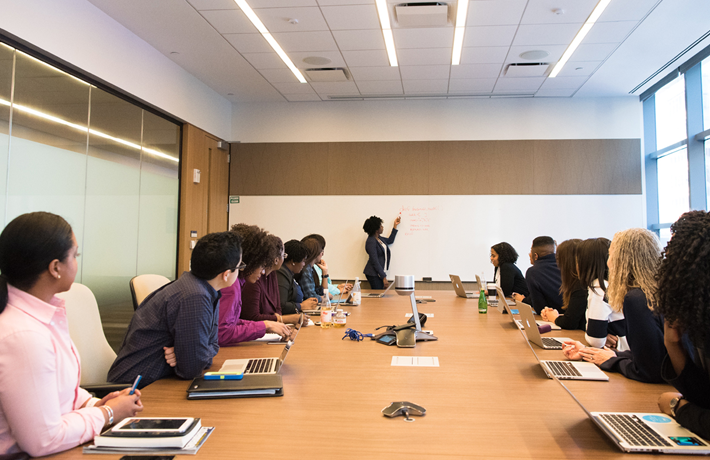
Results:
x,y
257,252
42,408
262,299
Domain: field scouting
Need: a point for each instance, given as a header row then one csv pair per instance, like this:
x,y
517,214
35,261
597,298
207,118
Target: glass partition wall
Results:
x,y
106,165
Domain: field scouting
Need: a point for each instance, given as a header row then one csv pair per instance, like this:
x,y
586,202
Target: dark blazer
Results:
x,y
511,280
376,262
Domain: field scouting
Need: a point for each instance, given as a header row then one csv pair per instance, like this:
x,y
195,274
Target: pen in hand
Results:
x,y
135,385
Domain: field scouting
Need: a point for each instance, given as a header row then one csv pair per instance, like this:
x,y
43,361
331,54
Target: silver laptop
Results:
x,y
375,295
460,291
568,370
645,432
260,366
532,332
499,295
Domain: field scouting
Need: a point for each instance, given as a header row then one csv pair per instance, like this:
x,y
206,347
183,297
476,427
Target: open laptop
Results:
x,y
374,295
567,370
532,332
260,366
519,323
460,291
645,432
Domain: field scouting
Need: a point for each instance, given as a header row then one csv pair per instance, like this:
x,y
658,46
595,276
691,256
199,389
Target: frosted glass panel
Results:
x,y
47,165
6,58
112,188
157,238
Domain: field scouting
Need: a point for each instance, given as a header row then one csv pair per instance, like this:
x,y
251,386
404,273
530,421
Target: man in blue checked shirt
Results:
x,y
174,330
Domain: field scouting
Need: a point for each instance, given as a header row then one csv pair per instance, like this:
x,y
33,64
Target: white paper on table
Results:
x,y
418,361
428,315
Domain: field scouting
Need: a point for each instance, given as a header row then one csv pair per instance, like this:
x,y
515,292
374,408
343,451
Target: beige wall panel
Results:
x,y
279,169
587,166
480,168
378,168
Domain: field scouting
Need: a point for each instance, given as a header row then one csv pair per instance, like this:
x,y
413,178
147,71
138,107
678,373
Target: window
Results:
x,y
670,114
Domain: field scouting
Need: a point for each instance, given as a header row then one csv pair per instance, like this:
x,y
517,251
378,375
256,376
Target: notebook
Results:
x,y
567,370
458,288
260,366
530,326
645,432
262,385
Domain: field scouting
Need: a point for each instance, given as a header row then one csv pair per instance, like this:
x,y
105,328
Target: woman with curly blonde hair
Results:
x,y
634,259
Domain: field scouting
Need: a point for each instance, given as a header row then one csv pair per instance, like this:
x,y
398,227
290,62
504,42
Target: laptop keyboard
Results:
x,y
563,369
259,366
550,343
634,431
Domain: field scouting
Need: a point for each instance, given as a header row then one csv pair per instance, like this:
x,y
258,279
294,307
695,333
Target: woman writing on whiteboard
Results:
x,y
378,251
42,408
506,274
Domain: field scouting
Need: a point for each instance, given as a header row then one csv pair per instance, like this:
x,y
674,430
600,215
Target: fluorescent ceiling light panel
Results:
x,y
270,40
461,11
383,12
598,10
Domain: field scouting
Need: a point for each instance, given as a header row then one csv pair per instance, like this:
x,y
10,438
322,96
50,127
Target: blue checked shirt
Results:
x,y
183,314
308,285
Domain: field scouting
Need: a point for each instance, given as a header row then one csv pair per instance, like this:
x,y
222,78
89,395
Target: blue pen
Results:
x,y
135,385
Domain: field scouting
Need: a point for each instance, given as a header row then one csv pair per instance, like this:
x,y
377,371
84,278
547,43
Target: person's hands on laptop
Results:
x,y
309,304
278,328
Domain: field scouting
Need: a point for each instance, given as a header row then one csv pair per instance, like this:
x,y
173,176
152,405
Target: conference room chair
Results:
x,y
87,333
143,285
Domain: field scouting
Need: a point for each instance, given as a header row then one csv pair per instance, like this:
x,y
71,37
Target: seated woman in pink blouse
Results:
x,y
42,408
258,251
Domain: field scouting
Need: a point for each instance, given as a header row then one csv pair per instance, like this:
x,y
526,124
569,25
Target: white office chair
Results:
x,y
87,333
143,285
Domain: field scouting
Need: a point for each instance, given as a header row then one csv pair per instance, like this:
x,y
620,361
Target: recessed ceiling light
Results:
x,y
383,13
534,55
316,60
461,11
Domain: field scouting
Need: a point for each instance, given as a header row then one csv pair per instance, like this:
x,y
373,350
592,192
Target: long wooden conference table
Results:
x,y
489,398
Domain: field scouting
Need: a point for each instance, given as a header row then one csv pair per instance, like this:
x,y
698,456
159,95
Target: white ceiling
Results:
x,y
214,41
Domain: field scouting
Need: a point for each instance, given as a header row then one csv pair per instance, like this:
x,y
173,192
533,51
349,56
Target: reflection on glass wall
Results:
x,y
107,166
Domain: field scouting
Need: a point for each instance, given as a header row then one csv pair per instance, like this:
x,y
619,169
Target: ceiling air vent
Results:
x,y
430,14
327,74
527,69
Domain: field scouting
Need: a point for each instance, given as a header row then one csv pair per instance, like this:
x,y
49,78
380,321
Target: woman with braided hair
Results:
x,y
684,301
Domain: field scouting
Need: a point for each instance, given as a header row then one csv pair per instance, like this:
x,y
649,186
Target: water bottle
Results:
x,y
482,301
326,313
340,319
356,293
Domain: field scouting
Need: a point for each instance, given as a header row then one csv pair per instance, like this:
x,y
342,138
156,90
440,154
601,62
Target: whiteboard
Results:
x,y
439,234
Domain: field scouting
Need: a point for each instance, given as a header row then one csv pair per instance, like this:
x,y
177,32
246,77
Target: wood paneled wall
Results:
x,y
520,167
203,206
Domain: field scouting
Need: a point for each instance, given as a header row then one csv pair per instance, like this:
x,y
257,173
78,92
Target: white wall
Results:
x,y
429,120
83,35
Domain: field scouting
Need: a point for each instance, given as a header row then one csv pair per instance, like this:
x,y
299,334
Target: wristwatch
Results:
x,y
326,276
674,404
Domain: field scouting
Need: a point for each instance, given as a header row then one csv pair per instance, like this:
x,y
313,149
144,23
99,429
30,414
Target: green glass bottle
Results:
x,y
482,302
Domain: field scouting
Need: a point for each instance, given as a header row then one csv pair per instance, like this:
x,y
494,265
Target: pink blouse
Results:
x,y
40,397
233,330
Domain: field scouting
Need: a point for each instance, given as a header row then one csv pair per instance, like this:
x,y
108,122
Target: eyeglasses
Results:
x,y
240,267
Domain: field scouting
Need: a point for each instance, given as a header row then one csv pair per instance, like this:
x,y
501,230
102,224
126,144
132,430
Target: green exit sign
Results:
x,y
234,199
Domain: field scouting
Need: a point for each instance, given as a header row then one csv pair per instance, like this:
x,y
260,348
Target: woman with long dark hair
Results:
x,y
42,408
683,300
574,293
